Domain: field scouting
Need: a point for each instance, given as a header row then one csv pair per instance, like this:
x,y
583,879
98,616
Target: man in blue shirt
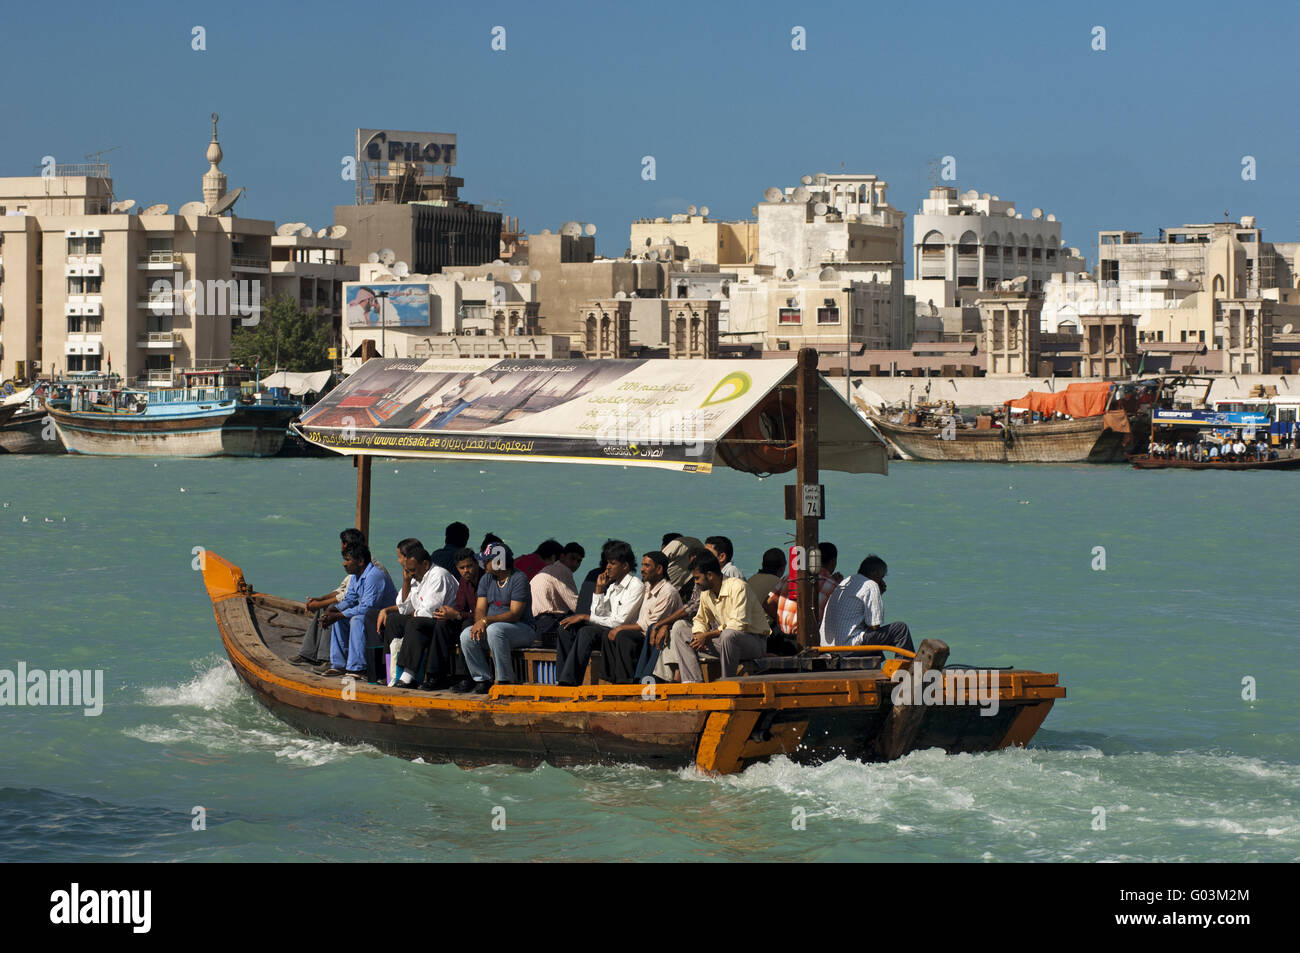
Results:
x,y
371,589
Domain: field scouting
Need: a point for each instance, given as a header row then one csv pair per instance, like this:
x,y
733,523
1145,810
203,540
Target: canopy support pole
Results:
x,y
362,463
805,527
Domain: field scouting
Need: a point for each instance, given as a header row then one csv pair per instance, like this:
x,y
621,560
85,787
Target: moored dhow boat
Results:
x,y
769,416
26,427
210,415
1103,427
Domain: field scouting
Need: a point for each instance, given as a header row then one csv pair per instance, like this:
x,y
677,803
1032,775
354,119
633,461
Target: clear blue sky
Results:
x,y
1150,132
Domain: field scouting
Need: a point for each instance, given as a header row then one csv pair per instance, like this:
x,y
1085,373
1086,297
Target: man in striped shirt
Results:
x,y
855,611
783,599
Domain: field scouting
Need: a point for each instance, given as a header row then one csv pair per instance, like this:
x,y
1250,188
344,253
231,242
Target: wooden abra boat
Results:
x,y
827,703
1286,460
722,726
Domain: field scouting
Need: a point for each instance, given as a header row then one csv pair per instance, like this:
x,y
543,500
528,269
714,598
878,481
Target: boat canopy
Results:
x,y
686,415
299,384
1077,400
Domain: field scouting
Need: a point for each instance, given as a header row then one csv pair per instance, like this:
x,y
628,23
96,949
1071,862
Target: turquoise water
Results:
x,y
1198,593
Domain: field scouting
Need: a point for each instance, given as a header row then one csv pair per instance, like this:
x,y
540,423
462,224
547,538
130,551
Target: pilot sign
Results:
x,y
806,499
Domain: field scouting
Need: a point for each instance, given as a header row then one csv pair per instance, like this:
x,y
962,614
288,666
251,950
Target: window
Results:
x,y
76,285
1202,336
1184,338
828,315
1109,270
74,325
94,285
93,325
789,316
94,246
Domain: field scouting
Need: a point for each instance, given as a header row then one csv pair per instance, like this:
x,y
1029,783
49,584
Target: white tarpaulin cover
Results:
x,y
658,413
297,383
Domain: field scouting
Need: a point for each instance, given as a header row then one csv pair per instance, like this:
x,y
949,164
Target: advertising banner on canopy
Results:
x,y
1210,418
662,413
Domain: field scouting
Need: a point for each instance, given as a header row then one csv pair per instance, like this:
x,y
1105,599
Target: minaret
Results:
x,y
214,180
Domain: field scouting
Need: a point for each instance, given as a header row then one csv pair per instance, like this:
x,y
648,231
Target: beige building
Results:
x,y
1011,330
694,236
826,310
680,328
88,283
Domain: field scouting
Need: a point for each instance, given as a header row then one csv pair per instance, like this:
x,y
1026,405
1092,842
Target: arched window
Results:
x,y
591,333
1219,284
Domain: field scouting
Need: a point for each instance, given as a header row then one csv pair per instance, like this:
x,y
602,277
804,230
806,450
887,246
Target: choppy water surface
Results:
x,y
1199,592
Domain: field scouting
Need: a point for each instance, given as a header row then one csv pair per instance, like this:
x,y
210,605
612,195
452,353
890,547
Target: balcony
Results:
x,y
161,260
162,302
160,340
250,263
156,378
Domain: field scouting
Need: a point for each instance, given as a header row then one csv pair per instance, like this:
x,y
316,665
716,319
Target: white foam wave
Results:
x,y
215,686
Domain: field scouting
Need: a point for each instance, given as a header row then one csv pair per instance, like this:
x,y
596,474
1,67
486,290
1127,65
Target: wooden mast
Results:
x,y
362,463
805,527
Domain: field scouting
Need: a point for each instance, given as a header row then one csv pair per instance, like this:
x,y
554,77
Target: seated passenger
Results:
x,y
426,589
315,644
503,622
616,601
665,633
555,595
727,617
763,582
456,538
855,611
635,648
784,600
370,589
678,549
548,551
724,553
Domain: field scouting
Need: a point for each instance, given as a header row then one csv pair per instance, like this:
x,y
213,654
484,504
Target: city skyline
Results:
x,y
556,125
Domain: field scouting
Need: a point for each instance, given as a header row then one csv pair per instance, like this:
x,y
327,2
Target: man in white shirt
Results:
x,y
725,553
855,611
426,588
617,601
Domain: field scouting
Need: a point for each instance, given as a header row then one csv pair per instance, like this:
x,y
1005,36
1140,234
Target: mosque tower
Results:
x,y
214,180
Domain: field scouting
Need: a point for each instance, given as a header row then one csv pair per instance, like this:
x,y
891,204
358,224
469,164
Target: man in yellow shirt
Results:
x,y
728,618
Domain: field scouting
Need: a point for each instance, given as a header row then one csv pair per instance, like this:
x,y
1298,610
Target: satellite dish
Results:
x,y
338,231
321,232
123,206
1288,328
573,229
789,273
1036,213
192,208
620,295
773,194
589,229
305,232
534,275
498,262
372,258
161,209
287,229
387,256
801,194
1051,217
226,201
805,180
691,210
1011,213
515,274
985,196
704,210
654,254
821,208
827,274
546,231
401,269
1182,274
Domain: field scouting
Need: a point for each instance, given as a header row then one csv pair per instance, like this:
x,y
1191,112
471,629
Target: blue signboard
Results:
x,y
1210,418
